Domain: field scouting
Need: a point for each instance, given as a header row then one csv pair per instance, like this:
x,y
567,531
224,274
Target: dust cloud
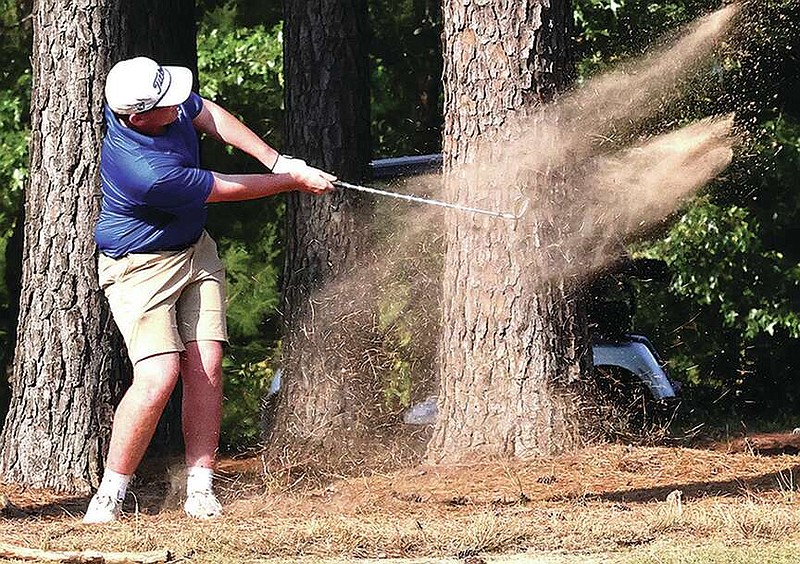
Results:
x,y
582,172
583,168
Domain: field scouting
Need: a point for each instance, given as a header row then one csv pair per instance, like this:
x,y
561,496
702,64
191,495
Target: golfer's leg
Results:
x,y
138,413
201,372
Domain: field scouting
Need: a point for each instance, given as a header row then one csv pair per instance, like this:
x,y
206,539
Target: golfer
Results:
x,y
160,270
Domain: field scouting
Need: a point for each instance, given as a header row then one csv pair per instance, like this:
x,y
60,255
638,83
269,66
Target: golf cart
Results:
x,y
631,379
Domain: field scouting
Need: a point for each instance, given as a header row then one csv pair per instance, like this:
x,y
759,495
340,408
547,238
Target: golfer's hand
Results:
x,y
312,180
286,164
308,178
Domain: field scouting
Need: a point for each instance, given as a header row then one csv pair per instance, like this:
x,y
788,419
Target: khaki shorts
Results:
x,y
160,301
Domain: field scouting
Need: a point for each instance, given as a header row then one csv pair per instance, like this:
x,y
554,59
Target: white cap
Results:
x,y
136,85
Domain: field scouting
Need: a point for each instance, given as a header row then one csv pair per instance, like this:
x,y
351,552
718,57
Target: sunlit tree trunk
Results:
x,y
513,344
69,363
327,108
67,358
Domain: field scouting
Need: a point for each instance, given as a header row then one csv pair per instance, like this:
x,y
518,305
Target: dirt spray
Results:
x,y
584,171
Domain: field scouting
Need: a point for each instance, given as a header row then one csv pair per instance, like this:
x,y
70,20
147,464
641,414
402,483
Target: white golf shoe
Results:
x,y
202,504
103,509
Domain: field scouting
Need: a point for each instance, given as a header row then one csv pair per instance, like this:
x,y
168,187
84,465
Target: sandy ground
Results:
x,y
601,504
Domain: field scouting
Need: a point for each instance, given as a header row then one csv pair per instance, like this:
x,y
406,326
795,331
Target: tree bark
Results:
x,y
327,109
69,366
162,30
513,343
66,359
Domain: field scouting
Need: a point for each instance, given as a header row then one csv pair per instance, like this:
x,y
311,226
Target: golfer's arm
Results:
x,y
216,121
238,187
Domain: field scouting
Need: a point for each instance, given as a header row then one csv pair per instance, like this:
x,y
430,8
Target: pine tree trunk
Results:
x,y
327,107
67,359
69,365
513,345
163,30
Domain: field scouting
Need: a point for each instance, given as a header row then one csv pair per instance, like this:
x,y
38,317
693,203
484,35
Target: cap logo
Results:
x,y
158,82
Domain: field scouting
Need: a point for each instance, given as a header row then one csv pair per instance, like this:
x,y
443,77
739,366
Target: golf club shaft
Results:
x,y
418,199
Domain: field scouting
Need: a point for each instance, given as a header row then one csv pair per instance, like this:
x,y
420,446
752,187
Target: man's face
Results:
x,y
159,117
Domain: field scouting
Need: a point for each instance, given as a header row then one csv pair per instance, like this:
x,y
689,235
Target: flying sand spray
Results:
x,y
699,152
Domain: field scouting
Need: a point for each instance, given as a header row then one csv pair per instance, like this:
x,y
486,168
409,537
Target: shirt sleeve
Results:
x,y
183,190
193,105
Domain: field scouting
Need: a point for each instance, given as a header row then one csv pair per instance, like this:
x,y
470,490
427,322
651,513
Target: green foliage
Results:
x,y
15,85
719,259
245,386
240,13
241,69
14,134
398,344
612,30
407,305
406,77
252,269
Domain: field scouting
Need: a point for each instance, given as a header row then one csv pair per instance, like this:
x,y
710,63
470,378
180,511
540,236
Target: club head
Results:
x,y
520,207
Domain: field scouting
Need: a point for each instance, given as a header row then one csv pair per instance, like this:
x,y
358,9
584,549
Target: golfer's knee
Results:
x,y
154,378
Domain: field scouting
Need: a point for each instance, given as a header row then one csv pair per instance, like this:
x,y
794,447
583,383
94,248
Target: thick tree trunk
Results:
x,y
513,344
327,106
69,366
163,30
66,359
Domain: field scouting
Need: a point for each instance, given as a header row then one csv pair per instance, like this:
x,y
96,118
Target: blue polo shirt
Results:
x,y
154,193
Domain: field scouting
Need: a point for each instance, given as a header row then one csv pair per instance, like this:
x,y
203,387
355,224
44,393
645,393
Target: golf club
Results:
x,y
418,199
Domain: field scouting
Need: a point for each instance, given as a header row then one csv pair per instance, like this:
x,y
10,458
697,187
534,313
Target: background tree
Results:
x,y
511,347
165,31
240,62
327,122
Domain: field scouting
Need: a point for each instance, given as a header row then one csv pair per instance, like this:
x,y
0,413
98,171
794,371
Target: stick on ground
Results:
x,y
22,553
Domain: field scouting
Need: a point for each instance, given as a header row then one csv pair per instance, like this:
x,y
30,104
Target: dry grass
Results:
x,y
607,499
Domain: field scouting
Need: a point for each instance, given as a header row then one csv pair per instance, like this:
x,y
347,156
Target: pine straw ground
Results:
x,y
595,505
